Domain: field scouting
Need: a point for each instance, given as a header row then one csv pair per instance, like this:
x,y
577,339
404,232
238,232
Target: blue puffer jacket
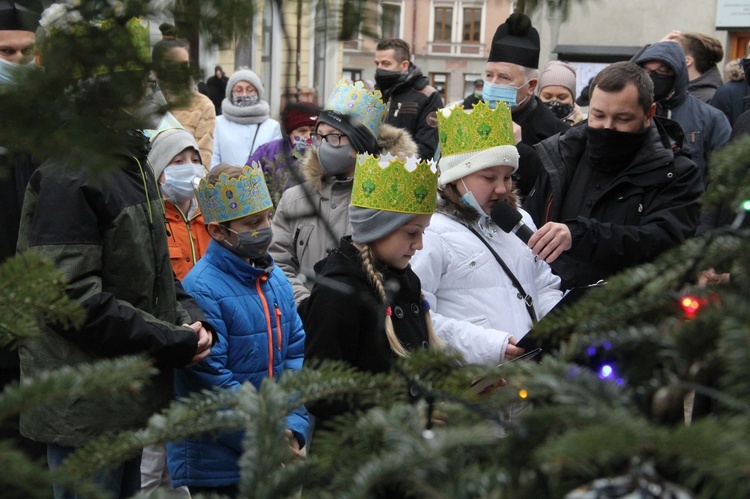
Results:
x,y
706,128
241,301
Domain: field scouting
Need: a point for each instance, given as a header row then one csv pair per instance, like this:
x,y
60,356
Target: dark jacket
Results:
x,y
470,100
410,102
537,122
216,89
704,87
106,233
651,206
347,323
732,99
706,130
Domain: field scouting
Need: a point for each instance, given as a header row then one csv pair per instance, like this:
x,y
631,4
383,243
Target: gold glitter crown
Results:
x,y
233,198
390,183
464,132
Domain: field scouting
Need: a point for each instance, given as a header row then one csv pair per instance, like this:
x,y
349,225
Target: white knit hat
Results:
x,y
460,165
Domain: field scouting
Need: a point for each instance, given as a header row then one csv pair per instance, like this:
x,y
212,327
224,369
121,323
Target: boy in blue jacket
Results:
x,y
250,302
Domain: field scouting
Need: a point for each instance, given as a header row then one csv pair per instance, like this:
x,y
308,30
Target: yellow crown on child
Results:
x,y
353,99
232,198
482,128
391,183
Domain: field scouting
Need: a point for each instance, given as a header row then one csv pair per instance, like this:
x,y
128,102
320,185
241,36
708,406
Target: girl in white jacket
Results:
x,y
476,307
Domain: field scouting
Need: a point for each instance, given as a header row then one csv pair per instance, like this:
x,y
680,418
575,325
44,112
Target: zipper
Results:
x,y
278,324
269,333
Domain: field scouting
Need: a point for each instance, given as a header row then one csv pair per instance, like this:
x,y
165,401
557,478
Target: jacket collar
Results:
x,y
233,265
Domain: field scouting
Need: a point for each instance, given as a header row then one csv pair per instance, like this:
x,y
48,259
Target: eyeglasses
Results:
x,y
332,138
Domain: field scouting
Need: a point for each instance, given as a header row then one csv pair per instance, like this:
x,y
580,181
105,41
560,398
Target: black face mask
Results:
x,y
559,109
662,85
385,79
611,151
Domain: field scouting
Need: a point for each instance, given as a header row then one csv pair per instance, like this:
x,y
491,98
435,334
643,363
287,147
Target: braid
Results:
x,y
377,280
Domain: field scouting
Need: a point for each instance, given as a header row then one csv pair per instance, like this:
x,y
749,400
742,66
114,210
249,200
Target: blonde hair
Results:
x,y
376,278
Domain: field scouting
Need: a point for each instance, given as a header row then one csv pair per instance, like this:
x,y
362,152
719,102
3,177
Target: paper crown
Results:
x,y
233,198
390,183
463,132
366,107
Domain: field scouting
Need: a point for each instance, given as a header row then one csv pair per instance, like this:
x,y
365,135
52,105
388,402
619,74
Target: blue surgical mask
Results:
x,y
493,92
469,200
9,71
179,181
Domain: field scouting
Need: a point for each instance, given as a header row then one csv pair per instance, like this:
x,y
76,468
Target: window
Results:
x,y
353,75
391,21
472,25
440,82
443,24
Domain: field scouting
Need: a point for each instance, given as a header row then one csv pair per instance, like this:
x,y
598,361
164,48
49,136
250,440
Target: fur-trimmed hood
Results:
x,y
392,140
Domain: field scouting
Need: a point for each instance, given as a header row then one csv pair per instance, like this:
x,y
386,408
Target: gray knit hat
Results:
x,y
168,144
369,225
246,74
560,74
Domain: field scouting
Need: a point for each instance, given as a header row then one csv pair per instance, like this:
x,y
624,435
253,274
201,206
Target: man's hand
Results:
x,y
204,342
517,132
551,241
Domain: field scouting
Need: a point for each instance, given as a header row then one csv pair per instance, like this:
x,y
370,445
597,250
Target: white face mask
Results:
x,y
179,181
9,71
469,200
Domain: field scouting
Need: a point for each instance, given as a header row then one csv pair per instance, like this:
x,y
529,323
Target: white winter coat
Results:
x,y
475,307
233,142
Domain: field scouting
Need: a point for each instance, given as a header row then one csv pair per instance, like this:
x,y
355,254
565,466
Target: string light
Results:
x,y
523,393
690,306
606,372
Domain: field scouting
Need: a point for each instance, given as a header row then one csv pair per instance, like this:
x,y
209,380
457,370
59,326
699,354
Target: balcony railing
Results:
x,y
457,49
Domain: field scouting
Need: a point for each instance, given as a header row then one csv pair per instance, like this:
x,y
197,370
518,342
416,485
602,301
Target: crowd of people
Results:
x,y
233,247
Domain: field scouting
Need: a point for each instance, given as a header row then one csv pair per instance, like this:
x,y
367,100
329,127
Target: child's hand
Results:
x,y
293,443
512,351
204,342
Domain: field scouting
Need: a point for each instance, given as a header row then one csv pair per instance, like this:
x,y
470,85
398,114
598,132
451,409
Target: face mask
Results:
x,y
612,151
469,200
559,109
300,146
336,160
245,100
179,181
9,71
251,244
386,79
492,93
478,95
662,85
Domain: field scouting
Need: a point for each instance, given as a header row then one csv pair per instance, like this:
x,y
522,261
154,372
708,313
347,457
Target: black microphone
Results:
x,y
508,218
511,221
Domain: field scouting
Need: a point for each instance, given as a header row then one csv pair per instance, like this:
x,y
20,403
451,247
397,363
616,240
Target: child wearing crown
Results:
x,y
365,322
250,302
312,217
477,306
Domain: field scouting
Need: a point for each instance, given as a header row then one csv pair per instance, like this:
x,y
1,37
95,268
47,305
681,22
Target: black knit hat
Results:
x,y
362,140
516,41
20,16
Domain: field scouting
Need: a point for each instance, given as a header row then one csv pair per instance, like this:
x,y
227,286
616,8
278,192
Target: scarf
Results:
x,y
249,115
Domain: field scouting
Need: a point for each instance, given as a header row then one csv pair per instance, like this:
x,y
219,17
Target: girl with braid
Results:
x,y
367,308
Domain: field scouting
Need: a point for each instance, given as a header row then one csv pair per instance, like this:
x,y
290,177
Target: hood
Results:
x,y
671,54
393,140
413,78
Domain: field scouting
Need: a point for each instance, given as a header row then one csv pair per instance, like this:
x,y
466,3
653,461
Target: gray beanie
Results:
x,y
245,74
369,225
168,144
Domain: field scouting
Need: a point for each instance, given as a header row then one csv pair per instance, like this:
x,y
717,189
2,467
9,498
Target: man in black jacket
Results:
x,y
617,191
412,102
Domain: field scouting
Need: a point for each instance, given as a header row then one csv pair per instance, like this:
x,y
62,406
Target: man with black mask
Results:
x,y
617,191
412,102
706,128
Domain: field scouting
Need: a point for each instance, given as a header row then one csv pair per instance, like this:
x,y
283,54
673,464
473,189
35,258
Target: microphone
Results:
x,y
510,220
